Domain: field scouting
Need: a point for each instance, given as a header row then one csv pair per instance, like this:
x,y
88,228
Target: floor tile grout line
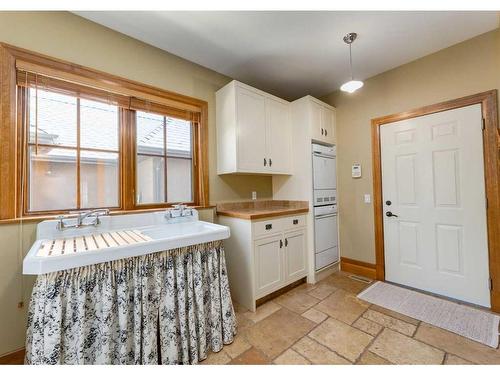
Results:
x,y
444,358
421,342
418,326
327,348
296,341
367,348
296,352
384,326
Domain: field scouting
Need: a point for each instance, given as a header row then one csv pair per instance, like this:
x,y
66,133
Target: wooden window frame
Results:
x,y
24,161
194,169
12,140
491,149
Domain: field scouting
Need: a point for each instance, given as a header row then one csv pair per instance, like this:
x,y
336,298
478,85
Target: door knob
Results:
x,y
390,214
388,203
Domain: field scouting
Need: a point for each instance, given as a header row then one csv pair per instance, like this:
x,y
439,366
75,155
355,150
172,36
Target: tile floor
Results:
x,y
326,324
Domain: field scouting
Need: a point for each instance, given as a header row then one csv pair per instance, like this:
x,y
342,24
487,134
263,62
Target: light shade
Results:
x,y
351,86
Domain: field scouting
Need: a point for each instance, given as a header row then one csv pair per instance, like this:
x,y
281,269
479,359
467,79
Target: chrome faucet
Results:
x,y
61,225
178,210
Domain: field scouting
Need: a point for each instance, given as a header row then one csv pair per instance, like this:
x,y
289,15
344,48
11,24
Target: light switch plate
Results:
x,y
254,195
368,198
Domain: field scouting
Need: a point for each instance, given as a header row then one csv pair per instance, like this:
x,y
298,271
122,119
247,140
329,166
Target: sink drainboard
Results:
x,y
97,241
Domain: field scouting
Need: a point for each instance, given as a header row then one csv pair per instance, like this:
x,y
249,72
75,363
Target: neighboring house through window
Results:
x,y
164,158
74,138
73,153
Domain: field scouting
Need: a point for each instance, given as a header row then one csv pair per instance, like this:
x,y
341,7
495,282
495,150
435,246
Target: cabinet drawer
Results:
x,y
292,222
266,227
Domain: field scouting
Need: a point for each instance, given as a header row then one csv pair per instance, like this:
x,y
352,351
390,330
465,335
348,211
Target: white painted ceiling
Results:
x,y
292,54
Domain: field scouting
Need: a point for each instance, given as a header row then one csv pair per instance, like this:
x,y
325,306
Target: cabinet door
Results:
x,y
315,120
278,139
251,130
269,272
295,255
327,123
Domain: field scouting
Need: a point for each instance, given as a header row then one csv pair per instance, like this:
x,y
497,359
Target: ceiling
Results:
x,y
292,54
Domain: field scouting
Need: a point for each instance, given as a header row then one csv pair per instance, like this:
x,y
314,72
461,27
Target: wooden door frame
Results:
x,y
491,147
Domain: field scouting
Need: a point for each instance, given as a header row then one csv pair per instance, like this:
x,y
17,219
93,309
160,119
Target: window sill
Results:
x,y
38,218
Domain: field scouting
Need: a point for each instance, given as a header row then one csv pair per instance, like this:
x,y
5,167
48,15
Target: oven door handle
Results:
x,y
325,215
319,155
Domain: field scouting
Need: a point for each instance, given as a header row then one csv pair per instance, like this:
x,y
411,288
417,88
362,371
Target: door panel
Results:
x,y
251,130
324,172
278,138
315,120
326,258
446,182
325,233
433,176
268,264
327,124
295,254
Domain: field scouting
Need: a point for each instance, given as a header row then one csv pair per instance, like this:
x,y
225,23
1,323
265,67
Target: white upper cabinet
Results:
x,y
321,120
328,124
251,128
253,131
278,136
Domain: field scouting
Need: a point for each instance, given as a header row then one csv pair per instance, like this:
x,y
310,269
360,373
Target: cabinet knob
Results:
x,y
270,162
286,242
281,244
265,162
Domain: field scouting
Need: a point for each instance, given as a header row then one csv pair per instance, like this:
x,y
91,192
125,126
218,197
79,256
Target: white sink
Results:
x,y
155,234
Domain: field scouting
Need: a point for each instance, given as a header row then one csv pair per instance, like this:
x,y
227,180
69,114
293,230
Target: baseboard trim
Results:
x,y
13,358
279,292
358,267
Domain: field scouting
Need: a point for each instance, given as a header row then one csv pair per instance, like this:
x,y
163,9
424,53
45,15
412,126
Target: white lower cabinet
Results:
x,y
264,256
295,244
269,272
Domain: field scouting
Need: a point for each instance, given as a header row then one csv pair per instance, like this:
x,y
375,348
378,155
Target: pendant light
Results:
x,y
352,85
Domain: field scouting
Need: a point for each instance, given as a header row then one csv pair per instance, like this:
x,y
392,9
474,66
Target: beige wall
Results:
x,y
466,68
69,37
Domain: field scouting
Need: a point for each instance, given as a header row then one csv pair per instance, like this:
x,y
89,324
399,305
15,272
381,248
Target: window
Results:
x,y
79,139
164,158
73,152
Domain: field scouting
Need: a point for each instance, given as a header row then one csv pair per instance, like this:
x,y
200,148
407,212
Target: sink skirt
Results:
x,y
169,307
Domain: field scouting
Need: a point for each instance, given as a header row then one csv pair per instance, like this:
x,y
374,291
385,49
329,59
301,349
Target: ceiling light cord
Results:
x,y
350,59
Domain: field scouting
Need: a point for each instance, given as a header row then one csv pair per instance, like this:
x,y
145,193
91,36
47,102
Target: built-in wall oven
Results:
x,y
325,205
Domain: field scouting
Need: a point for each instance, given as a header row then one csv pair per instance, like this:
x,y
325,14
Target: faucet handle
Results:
x,y
79,213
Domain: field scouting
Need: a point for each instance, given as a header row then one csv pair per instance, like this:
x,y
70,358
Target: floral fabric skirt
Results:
x,y
171,307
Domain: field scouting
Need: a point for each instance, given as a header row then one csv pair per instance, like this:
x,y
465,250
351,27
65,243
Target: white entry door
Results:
x,y
433,180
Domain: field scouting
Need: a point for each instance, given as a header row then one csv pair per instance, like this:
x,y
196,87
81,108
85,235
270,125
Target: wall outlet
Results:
x,y
254,195
368,198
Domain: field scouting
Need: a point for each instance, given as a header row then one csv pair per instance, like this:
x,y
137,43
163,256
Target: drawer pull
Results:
x,y
295,221
281,244
286,242
269,226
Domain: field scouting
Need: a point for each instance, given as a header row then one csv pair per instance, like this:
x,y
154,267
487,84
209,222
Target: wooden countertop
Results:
x,y
262,209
